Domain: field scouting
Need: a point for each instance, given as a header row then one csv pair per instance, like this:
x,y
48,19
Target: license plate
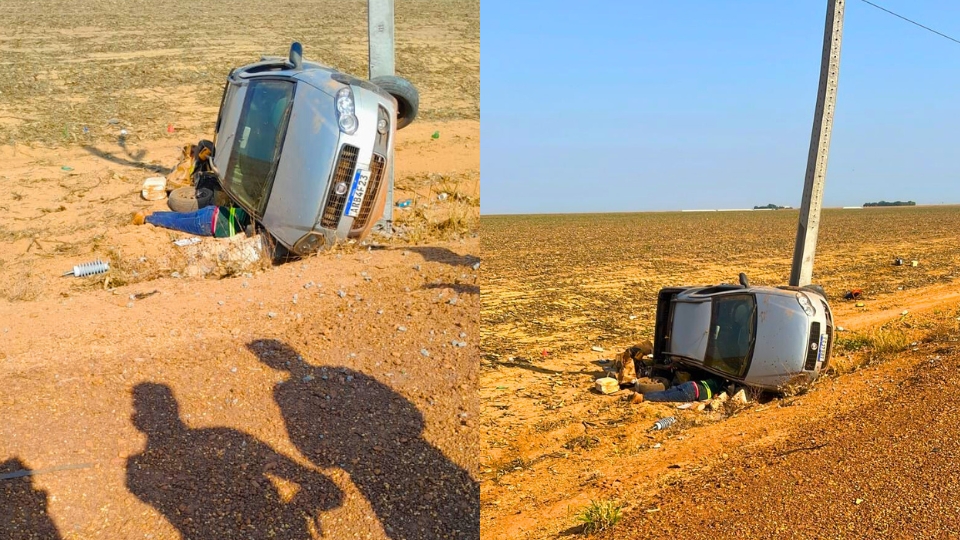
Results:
x,y
360,181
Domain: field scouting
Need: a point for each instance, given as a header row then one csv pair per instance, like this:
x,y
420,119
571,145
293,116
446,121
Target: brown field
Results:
x,y
556,285
188,395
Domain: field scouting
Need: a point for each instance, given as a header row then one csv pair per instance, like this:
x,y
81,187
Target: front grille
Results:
x,y
377,170
813,346
346,163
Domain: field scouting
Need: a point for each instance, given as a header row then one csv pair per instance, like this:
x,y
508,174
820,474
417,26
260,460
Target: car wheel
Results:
x,y
276,252
189,199
408,99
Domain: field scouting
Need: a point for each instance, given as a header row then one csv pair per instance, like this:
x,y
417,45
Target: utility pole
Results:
x,y
382,61
806,245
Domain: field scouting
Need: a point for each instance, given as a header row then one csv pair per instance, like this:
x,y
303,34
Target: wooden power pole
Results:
x,y
806,245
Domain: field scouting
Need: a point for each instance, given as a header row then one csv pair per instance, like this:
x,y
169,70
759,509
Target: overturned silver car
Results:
x,y
305,149
765,337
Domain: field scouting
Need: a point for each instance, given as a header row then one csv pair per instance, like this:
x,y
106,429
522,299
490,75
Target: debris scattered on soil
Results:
x,y
607,385
596,349
184,242
663,423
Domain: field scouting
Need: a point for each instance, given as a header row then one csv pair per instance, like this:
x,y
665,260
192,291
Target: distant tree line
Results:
x,y
770,206
885,203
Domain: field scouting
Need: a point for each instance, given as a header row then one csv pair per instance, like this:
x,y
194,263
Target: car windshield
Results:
x,y
257,145
732,333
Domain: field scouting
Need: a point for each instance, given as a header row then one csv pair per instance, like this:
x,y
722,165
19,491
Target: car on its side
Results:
x,y
306,149
769,338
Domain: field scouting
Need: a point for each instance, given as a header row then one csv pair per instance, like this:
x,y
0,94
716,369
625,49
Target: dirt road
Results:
x,y
886,469
203,408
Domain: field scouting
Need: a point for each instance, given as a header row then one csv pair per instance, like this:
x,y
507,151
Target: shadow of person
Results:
x,y
23,508
339,417
218,483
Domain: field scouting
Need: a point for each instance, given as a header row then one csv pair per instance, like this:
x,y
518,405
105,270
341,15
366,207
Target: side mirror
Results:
x,y
744,282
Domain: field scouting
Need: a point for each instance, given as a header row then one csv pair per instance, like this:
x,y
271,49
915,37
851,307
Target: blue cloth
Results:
x,y
681,392
199,223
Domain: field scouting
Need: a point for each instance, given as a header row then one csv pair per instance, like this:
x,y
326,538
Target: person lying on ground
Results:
x,y
689,391
216,221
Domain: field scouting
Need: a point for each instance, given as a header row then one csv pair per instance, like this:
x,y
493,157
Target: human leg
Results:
x,y
199,222
682,392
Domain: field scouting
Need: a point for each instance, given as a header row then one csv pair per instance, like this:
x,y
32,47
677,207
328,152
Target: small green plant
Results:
x,y
600,516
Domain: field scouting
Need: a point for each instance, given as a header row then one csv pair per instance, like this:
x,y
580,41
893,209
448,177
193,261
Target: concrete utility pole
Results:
x,y
806,246
382,61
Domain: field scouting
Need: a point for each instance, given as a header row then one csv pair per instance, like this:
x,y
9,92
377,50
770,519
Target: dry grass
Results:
x,y
444,207
70,68
600,516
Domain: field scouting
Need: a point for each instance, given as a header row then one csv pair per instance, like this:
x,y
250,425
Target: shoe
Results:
x,y
139,218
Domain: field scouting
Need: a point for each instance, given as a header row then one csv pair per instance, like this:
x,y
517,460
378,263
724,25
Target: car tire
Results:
x,y
189,199
276,252
408,99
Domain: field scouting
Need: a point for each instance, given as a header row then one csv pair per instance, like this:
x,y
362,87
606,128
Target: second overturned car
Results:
x,y
765,337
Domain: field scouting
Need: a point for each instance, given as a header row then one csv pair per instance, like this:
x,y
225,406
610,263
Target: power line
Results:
x,y
911,22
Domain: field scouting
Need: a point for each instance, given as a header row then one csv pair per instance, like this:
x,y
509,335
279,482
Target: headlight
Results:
x,y
345,111
382,125
806,305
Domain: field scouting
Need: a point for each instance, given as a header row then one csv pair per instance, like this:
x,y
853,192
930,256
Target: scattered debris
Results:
x,y
860,304
141,296
154,188
436,135
425,352
89,269
596,349
898,262
406,203
607,385
854,294
914,263
663,423
66,168
740,397
184,242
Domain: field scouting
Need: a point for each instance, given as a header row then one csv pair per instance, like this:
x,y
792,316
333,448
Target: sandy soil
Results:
x,y
170,398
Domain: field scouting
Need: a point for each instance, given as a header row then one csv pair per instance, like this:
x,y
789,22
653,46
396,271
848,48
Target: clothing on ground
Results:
x,y
218,221
689,391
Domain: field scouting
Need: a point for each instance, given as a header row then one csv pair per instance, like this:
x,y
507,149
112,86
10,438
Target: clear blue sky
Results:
x,y
594,106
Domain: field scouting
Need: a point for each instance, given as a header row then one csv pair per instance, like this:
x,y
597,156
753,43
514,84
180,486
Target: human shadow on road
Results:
x,y
339,417
23,508
217,483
